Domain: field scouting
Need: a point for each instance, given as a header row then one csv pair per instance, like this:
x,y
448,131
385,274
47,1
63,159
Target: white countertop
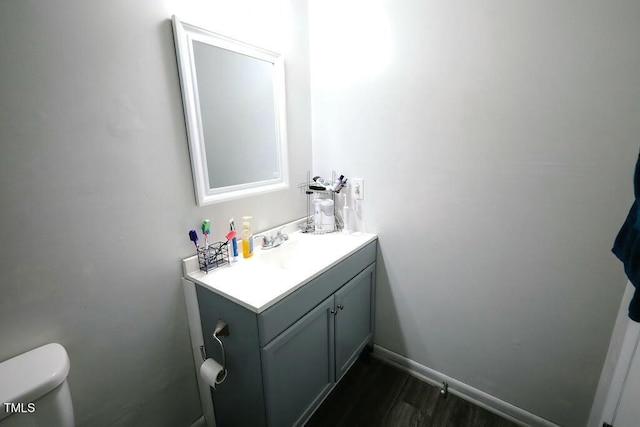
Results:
x,y
269,275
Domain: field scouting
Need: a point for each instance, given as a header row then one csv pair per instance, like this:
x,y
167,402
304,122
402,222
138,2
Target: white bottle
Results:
x,y
317,215
247,238
327,215
346,229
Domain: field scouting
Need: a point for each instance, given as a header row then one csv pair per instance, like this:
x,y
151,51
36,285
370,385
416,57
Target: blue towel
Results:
x,y
627,247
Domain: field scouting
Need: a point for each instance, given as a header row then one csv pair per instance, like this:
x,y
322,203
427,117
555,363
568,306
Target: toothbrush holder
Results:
x,y
214,256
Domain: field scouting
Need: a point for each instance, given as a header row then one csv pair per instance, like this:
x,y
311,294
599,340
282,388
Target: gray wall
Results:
x,y
497,141
97,199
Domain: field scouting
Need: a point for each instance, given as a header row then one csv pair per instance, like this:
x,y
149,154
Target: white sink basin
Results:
x,y
287,255
300,252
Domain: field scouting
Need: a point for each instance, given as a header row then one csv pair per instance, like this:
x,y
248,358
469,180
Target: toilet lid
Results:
x,y
31,375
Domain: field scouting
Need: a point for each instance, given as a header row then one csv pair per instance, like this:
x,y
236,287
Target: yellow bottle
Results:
x,y
247,238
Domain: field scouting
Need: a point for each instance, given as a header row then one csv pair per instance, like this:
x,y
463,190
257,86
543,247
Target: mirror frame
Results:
x,y
184,35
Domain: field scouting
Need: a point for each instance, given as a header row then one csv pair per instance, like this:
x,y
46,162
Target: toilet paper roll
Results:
x,y
212,373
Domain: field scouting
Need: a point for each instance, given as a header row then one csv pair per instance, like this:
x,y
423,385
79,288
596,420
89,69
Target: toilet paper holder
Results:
x,y
221,330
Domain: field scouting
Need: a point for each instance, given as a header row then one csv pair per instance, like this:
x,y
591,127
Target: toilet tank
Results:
x,y
34,391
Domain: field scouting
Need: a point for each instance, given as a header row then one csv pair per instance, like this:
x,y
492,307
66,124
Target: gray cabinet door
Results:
x,y
298,368
354,318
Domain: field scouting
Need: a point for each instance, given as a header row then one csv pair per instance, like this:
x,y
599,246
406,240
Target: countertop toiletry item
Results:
x,y
234,241
321,181
327,215
342,181
193,236
319,184
346,229
317,215
335,187
206,230
308,224
247,238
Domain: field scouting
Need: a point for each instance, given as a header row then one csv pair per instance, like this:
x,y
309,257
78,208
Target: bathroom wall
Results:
x,y
497,141
97,196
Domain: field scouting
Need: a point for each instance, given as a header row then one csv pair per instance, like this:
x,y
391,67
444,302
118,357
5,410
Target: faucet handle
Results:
x,y
282,235
265,239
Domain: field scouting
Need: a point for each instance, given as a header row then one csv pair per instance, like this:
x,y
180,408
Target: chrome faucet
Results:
x,y
273,242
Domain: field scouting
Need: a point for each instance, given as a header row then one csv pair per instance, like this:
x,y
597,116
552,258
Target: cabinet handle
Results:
x,y
332,311
340,306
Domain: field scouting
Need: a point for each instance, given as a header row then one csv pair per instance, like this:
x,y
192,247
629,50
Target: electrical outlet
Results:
x,y
357,188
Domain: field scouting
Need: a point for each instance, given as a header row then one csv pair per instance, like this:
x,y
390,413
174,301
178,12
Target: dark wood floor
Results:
x,y
373,393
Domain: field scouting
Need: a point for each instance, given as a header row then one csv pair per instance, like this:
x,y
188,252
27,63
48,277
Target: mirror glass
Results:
x,y
233,96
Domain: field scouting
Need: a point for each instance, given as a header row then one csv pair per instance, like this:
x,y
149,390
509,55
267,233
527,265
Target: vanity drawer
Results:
x,y
285,313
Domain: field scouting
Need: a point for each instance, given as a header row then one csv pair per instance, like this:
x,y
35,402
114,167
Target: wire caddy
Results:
x,y
213,256
309,224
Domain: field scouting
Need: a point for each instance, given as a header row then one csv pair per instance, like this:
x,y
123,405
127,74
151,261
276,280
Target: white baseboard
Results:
x,y
464,391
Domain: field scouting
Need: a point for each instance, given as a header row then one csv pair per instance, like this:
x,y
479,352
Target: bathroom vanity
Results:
x,y
298,317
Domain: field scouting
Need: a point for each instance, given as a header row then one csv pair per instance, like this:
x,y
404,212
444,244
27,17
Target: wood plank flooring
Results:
x,y
373,393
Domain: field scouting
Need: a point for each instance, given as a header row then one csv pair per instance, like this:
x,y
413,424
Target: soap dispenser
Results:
x,y
247,238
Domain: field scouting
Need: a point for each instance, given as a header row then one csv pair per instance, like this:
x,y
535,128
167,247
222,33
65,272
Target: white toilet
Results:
x,y
34,390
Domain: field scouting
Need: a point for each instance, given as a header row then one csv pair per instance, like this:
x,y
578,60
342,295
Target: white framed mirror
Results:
x,y
234,102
